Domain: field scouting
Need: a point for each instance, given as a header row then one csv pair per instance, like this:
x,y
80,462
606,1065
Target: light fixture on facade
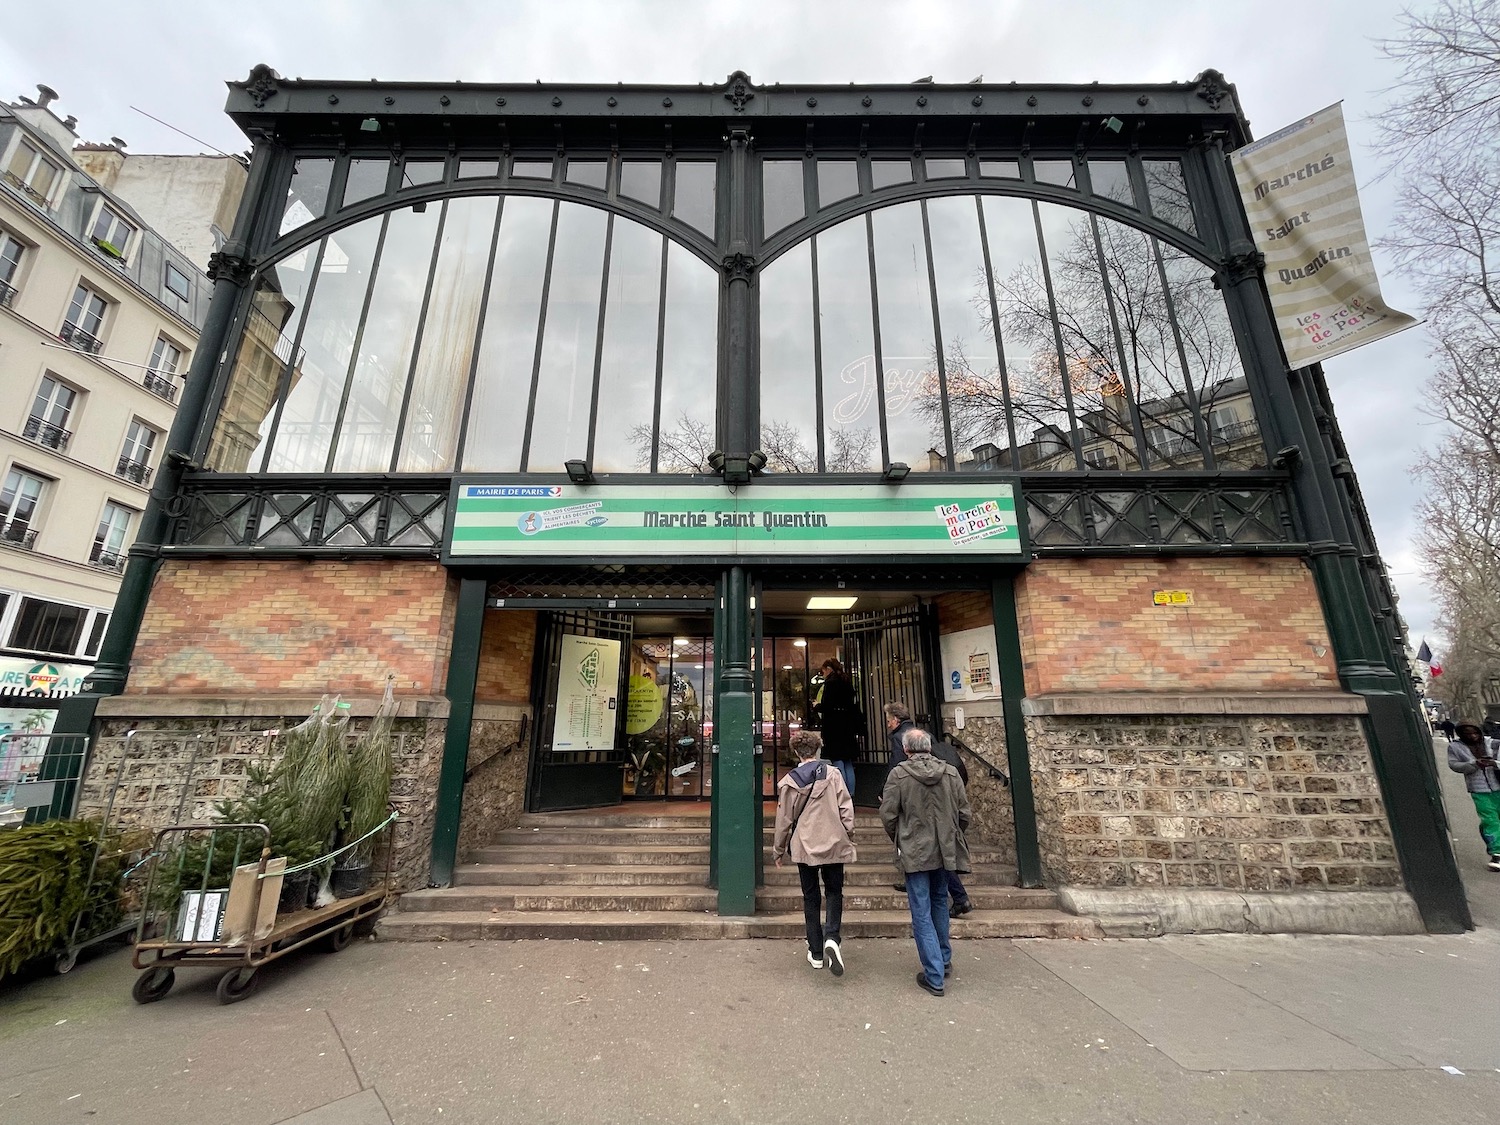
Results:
x,y
799,643
579,471
829,601
369,125
895,472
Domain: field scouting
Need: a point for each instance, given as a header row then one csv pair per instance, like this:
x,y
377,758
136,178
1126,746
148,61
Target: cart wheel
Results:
x,y
237,985
339,939
152,985
65,962
366,925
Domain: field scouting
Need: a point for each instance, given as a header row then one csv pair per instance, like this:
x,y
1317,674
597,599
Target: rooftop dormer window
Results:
x,y
111,234
33,173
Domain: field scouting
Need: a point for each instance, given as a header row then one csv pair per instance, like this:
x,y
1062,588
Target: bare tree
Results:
x,y
684,448
1439,137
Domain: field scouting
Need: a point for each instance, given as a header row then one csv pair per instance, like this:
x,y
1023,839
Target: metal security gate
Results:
x,y
892,656
565,779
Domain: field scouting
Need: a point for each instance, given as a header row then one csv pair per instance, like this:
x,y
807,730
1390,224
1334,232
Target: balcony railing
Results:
x,y
21,185
106,559
45,433
137,471
7,293
160,386
18,533
1234,431
70,333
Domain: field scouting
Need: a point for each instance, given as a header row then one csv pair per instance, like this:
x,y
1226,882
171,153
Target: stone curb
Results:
x,y
1148,912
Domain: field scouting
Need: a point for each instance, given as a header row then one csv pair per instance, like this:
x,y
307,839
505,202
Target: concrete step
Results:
x,y
636,899
572,835
575,874
591,854
862,819
670,925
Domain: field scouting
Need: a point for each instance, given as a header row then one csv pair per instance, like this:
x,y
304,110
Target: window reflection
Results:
x,y
788,408
947,169
1168,193
694,194
589,173
689,376
837,179
1000,169
1059,172
565,385
417,173
307,194
627,369
908,357
851,411
641,180
478,169
366,179
781,194
969,356
884,173
531,169
507,350
1110,179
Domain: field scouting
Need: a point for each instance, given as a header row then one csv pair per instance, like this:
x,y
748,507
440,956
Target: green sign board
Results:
x,y
953,521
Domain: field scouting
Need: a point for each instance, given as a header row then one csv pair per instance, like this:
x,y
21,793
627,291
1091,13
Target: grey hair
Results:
x,y
807,744
916,741
898,711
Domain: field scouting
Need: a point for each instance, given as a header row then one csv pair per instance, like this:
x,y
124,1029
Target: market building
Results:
x,y
599,416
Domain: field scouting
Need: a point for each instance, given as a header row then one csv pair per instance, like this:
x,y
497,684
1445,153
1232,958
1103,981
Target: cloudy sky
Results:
x,y
171,58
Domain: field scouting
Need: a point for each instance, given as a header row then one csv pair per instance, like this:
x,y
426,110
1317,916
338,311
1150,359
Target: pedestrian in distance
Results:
x,y
1475,756
925,810
815,825
897,722
839,720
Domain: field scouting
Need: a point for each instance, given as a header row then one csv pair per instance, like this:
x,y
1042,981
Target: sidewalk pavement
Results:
x,y
1179,1030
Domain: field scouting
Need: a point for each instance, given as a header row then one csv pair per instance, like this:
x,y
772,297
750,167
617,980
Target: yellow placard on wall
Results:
x,y
1172,597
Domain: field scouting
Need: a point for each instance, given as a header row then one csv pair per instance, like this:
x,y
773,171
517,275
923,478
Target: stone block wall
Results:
x,y
989,798
495,785
1260,795
284,627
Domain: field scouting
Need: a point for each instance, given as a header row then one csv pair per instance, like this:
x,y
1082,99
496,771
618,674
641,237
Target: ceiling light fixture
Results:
x,y
799,643
827,601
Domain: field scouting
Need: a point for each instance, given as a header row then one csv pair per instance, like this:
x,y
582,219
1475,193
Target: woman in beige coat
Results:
x,y
815,823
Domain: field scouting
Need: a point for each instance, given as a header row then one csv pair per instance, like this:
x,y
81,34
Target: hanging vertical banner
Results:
x,y
588,684
1298,189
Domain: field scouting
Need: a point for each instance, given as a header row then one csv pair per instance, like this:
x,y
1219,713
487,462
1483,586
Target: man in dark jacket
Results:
x,y
925,810
897,723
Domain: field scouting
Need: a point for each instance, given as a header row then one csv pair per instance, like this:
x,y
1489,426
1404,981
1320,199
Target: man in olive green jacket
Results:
x,y
925,811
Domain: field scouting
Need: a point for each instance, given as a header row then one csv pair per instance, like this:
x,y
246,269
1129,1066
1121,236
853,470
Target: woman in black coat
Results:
x,y
838,714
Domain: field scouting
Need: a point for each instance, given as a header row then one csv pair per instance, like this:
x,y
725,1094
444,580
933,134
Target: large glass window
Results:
x,y
18,504
689,372
44,626
693,200
307,194
627,369
782,199
788,386
851,406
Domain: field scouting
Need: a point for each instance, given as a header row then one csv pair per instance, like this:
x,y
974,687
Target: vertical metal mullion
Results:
x,y
1189,393
609,235
885,443
359,335
661,345
989,280
937,335
1131,397
416,344
484,308
821,464
1062,355
284,384
541,331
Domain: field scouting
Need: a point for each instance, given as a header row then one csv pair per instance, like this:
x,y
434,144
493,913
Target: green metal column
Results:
x,y
1017,753
735,838
463,671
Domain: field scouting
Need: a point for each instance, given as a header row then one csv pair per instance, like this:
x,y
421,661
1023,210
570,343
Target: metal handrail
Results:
x,y
7,293
160,386
18,534
80,338
133,470
994,771
43,432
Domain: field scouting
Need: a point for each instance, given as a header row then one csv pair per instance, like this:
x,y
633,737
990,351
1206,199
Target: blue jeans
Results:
x,y
846,770
927,896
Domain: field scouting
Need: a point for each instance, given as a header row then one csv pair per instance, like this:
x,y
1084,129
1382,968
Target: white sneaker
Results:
x,y
834,957
1495,863
815,962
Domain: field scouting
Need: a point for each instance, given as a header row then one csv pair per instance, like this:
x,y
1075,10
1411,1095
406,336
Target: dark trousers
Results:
x,y
812,908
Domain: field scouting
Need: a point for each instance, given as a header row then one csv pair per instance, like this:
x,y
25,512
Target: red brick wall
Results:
x,y
1090,625
970,609
505,656
243,628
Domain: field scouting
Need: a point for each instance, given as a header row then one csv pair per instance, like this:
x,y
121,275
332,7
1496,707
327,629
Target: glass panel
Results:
x,y
947,169
906,343
366,179
308,192
641,180
565,388
1026,329
837,179
694,196
317,385
589,173
627,373
788,377
781,194
265,350
531,169
884,173
1000,169
369,428
502,383
442,375
478,169
975,393
1059,172
416,173
690,362
1111,180
851,424
1168,193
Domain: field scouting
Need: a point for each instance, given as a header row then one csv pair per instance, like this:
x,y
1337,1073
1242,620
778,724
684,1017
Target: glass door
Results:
x,y
669,715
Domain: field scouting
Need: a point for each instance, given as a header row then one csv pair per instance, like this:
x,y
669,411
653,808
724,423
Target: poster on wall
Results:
x,y
588,682
971,665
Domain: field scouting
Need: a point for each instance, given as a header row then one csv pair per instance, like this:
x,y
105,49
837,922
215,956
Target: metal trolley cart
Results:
x,y
211,900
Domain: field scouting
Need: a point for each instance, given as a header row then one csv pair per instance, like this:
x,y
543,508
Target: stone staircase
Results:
x,y
616,876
